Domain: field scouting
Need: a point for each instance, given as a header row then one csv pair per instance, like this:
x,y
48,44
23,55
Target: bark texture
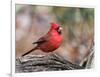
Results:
x,y
36,63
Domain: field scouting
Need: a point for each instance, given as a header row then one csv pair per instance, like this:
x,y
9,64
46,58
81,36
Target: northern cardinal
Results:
x,y
51,41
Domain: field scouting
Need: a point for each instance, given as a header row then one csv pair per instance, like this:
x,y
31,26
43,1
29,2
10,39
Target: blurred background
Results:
x,y
33,21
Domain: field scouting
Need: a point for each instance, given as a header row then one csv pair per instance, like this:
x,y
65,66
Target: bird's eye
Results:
x,y
59,30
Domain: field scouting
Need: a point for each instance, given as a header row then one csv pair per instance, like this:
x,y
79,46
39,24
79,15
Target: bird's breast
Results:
x,y
53,43
56,41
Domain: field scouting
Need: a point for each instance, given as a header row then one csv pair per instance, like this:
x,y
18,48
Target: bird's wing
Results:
x,y
42,40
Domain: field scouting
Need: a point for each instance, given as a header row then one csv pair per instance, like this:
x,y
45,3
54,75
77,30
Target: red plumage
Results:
x,y
51,41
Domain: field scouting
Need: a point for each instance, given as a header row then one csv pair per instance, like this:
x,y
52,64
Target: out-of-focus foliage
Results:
x,y
74,16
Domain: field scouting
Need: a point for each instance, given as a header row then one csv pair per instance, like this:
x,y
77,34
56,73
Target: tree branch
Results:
x,y
35,63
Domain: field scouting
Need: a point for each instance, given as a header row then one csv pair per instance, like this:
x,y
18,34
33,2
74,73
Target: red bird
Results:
x,y
51,41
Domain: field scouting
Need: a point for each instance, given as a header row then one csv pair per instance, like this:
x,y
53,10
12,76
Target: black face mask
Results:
x,y
59,30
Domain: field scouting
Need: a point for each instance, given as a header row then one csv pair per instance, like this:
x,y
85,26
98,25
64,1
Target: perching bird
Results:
x,y
51,41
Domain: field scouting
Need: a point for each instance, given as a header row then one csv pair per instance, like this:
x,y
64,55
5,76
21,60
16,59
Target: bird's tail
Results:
x,y
29,51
